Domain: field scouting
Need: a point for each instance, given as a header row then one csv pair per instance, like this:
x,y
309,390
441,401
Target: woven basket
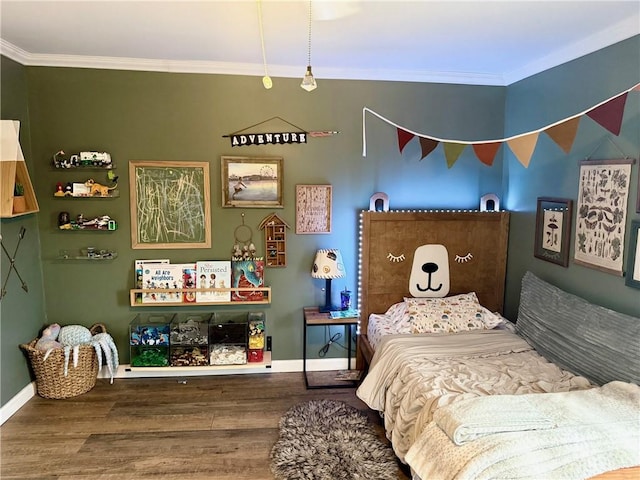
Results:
x,y
51,381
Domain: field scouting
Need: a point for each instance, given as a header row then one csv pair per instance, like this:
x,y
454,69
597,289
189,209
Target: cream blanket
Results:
x,y
597,430
475,418
410,376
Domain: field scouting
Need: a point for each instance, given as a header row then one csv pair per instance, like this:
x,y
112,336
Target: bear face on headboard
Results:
x,y
432,254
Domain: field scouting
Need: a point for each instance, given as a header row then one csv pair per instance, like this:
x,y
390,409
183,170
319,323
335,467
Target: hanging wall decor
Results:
x,y
633,262
601,214
608,114
275,240
553,230
252,182
313,209
170,204
242,138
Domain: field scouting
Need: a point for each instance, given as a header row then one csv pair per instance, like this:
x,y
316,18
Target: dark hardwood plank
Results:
x,y
212,427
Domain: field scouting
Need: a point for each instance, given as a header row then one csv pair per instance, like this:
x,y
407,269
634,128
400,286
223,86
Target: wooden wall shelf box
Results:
x,y
10,174
137,291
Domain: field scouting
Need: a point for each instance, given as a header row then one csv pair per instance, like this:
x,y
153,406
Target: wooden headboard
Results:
x,y
476,243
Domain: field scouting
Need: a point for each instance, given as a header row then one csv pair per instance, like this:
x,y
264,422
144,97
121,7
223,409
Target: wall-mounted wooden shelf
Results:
x,y
136,293
10,174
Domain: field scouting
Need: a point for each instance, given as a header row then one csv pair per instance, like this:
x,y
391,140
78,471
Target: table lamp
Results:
x,y
328,265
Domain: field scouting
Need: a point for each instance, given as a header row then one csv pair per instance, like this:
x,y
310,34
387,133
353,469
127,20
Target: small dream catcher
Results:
x,y
243,248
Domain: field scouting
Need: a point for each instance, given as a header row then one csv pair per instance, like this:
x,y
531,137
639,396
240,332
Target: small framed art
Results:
x,y
313,209
633,260
553,229
252,182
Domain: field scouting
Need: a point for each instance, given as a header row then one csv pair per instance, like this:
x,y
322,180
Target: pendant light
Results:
x,y
266,80
308,82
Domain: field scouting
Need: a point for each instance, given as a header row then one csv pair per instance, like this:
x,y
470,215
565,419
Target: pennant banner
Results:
x,y
608,114
523,147
427,146
564,133
403,138
452,151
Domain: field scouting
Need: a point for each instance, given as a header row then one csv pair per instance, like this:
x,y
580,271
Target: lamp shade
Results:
x,y
10,150
328,264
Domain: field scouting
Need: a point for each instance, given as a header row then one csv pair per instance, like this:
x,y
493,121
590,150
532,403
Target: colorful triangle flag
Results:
x,y
427,145
609,114
523,147
637,88
403,138
486,152
564,133
452,151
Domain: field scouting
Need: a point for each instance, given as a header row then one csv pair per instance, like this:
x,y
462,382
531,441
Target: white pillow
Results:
x,y
397,312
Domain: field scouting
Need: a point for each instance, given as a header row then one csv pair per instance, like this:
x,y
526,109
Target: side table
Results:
x,y
313,317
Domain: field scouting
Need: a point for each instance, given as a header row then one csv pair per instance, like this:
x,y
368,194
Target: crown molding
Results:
x,y
623,30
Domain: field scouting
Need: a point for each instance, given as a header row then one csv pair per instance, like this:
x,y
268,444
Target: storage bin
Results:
x,y
256,355
228,338
149,339
189,340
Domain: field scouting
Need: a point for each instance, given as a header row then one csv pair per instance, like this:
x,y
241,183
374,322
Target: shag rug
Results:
x,y
330,440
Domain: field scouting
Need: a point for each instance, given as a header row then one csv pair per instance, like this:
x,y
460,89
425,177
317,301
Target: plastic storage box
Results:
x,y
228,338
189,340
256,342
149,339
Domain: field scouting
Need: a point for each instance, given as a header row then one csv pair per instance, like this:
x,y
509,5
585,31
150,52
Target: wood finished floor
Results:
x,y
212,427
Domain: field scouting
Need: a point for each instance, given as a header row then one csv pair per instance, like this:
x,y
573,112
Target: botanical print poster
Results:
x,y
601,214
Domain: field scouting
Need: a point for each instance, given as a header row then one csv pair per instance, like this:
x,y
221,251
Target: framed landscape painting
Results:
x,y
252,182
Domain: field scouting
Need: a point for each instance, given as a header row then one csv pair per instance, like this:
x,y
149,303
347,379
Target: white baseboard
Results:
x,y
17,402
124,371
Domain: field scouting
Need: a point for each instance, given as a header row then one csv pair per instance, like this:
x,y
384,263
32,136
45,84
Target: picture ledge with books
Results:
x,y
206,282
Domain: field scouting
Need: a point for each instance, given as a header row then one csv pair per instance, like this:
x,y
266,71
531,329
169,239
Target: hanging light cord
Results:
x,y
264,53
309,43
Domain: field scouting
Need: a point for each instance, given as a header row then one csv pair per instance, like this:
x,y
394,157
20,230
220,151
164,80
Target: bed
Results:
x,y
563,352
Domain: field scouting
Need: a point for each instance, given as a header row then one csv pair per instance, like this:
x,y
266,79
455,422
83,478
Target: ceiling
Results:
x,y
472,42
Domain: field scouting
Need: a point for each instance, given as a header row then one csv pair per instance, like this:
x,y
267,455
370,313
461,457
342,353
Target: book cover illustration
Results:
x,y
247,274
162,277
189,276
138,270
213,274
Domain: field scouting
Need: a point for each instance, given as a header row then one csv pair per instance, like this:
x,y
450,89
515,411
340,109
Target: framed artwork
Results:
x,y
553,229
252,182
170,204
601,214
313,209
633,262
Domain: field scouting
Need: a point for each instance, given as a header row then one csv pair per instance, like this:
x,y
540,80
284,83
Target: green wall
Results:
x,y
542,100
170,116
22,314
165,116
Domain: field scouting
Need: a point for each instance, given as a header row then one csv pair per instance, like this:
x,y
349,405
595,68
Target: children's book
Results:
x,y
159,277
247,274
189,281
137,281
213,274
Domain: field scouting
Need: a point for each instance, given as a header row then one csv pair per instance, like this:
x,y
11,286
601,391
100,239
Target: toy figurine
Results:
x,y
59,190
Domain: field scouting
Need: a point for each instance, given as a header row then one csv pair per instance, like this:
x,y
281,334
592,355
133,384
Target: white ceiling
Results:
x,y
467,42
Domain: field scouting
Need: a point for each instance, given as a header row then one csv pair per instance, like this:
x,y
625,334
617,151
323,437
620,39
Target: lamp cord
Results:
x,y
333,340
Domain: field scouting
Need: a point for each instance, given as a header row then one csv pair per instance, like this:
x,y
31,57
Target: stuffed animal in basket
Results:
x,y
48,341
72,336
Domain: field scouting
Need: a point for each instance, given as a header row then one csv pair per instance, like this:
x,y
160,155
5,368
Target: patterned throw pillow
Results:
x,y
449,314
